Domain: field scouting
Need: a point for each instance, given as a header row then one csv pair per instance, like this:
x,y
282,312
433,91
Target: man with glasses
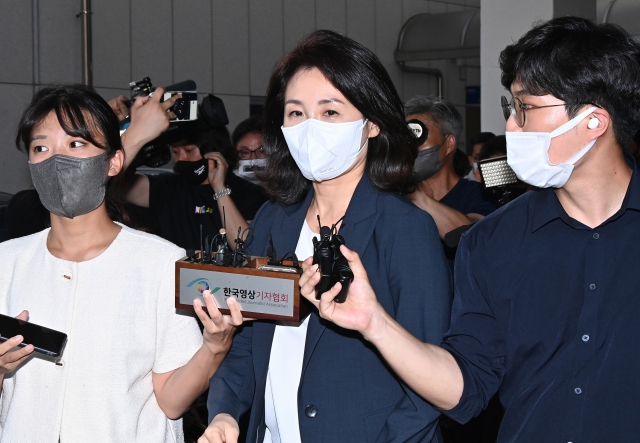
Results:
x,y
547,292
247,140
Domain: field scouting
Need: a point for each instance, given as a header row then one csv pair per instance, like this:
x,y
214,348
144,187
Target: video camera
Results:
x,y
190,116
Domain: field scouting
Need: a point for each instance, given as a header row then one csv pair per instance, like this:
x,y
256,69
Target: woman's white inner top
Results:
x,y
285,367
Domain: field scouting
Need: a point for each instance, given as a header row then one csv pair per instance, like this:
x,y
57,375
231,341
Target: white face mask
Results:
x,y
323,150
528,155
247,169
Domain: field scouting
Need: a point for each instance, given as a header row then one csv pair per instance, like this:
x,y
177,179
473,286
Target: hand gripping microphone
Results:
x,y
332,265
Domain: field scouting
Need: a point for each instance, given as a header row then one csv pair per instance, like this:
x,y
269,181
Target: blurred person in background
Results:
x,y
473,153
493,148
247,140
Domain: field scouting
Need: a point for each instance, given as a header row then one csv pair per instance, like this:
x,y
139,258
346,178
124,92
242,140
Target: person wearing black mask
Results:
x,y
203,191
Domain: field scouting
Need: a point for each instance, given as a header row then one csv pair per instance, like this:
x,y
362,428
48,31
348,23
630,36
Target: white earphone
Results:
x,y
593,123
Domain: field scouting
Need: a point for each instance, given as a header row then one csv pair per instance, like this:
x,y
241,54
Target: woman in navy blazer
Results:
x,y
330,92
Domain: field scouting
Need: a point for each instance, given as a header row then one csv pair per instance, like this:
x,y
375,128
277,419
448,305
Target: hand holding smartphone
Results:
x,y
44,340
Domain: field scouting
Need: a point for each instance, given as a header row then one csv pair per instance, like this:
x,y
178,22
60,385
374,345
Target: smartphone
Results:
x,y
44,340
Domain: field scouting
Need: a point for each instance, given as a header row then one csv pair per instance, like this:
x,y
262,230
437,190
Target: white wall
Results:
x,y
227,46
503,22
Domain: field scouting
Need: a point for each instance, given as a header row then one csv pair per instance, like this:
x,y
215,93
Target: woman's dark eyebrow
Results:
x,y
38,137
321,102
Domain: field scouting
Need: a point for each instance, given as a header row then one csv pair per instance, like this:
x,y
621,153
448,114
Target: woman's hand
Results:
x,y
361,311
218,329
9,359
222,429
217,170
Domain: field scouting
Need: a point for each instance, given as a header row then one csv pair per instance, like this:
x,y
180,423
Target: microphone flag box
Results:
x,y
262,291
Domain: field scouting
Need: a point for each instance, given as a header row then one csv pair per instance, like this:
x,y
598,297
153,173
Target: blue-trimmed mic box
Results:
x,y
262,291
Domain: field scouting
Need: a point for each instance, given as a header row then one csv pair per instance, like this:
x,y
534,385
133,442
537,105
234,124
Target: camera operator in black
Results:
x,y
203,183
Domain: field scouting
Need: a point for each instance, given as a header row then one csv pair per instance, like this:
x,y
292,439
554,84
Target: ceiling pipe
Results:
x,y
429,71
87,62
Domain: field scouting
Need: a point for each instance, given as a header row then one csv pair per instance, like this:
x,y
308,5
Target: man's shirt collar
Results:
x,y
548,208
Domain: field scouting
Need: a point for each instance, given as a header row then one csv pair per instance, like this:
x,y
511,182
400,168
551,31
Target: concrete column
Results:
x,y
504,22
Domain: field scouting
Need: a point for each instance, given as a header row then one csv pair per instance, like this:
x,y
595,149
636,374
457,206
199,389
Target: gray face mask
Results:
x,y
427,163
70,186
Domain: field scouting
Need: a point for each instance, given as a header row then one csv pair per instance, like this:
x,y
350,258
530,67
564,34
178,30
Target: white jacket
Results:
x,y
118,312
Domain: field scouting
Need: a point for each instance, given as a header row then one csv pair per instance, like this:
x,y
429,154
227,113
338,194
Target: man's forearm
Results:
x,y
447,219
233,219
429,370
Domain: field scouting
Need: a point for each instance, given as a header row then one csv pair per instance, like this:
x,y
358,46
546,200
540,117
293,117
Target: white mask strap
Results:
x,y
572,123
367,140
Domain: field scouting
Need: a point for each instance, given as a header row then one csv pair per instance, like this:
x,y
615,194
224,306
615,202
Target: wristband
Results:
x,y
219,194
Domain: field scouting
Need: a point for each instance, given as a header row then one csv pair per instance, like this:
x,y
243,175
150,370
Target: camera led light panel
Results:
x,y
496,172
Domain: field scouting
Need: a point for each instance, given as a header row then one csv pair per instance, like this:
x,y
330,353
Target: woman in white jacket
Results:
x,y
132,365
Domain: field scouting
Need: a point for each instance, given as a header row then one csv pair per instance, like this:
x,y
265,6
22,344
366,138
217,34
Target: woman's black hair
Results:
x,y
358,74
580,62
82,113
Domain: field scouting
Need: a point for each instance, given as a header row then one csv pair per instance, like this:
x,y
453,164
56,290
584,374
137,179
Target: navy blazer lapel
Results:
x,y
357,229
285,233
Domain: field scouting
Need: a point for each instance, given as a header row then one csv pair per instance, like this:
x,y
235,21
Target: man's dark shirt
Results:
x,y
181,207
466,197
548,310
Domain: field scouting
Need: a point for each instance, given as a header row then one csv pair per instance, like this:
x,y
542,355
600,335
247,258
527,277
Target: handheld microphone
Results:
x,y
207,251
271,253
332,265
201,247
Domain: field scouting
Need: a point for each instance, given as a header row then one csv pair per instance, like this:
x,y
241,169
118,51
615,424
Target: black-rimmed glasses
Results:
x,y
516,108
247,154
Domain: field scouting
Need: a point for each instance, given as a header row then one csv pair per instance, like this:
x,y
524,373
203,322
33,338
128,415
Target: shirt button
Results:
x,y
592,286
596,235
577,391
67,276
311,411
585,338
